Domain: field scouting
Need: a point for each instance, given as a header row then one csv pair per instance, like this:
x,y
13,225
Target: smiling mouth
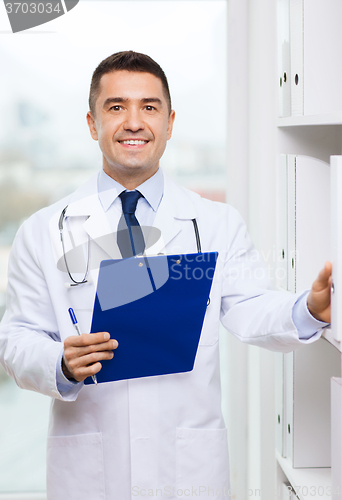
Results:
x,y
132,142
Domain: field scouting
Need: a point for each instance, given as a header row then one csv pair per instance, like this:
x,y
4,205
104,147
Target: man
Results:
x,y
155,436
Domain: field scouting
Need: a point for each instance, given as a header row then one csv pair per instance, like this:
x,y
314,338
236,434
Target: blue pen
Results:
x,y
75,323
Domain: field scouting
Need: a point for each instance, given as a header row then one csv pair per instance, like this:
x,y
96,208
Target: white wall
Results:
x,y
235,372
262,226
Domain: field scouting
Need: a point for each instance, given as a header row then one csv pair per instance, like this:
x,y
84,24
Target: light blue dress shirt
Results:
x,y
152,191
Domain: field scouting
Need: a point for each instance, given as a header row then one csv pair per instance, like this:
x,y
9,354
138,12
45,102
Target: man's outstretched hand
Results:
x,y
319,296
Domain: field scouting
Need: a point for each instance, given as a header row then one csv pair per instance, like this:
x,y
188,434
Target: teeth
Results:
x,y
133,142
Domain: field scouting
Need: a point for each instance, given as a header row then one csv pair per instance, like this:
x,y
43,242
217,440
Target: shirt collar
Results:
x,y
152,190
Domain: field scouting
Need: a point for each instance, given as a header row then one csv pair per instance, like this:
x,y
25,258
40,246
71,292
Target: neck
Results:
x,y
130,180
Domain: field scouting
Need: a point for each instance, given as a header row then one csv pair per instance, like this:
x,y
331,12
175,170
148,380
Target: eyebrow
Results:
x,y
145,100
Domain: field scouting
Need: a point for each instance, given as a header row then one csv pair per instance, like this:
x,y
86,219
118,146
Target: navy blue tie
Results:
x,y
130,237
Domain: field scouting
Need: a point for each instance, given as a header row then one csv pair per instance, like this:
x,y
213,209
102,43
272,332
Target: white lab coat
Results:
x,y
140,437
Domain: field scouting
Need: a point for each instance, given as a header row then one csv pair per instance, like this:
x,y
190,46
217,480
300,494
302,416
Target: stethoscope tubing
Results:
x,y
60,227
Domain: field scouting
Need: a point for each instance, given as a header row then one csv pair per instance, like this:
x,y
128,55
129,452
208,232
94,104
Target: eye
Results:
x,y
116,107
150,108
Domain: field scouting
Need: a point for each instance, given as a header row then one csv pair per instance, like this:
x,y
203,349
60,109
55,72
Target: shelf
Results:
x,y
327,335
295,121
308,483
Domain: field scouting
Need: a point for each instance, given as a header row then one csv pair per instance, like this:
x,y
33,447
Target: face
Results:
x,y
131,123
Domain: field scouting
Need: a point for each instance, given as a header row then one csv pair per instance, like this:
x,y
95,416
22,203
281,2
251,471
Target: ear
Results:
x,y
92,126
170,124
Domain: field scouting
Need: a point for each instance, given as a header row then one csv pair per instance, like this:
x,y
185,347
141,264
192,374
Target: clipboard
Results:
x,y
154,307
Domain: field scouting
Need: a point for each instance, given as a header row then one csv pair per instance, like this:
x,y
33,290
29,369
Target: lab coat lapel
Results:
x,y
174,207
98,228
86,203
168,227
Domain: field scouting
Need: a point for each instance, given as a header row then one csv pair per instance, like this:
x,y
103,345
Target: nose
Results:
x,y
133,121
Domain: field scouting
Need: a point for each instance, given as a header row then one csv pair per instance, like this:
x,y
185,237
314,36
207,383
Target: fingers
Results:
x,y
85,366
85,340
318,300
328,266
326,271
82,354
324,278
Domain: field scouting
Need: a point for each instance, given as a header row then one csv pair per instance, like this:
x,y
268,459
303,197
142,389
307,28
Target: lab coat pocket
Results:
x,y
75,467
202,463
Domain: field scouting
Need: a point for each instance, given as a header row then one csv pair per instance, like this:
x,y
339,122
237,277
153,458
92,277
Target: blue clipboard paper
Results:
x,y
155,308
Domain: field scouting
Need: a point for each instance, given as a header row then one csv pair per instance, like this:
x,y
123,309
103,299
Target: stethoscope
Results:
x,y
85,277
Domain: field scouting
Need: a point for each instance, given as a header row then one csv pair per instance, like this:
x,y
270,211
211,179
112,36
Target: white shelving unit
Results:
x,y
318,136
258,136
314,483
296,121
329,337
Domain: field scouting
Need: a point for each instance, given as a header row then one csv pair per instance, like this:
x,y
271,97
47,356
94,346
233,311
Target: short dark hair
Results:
x,y
129,61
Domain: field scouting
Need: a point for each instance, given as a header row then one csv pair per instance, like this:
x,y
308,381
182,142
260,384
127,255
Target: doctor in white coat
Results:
x,y
161,436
